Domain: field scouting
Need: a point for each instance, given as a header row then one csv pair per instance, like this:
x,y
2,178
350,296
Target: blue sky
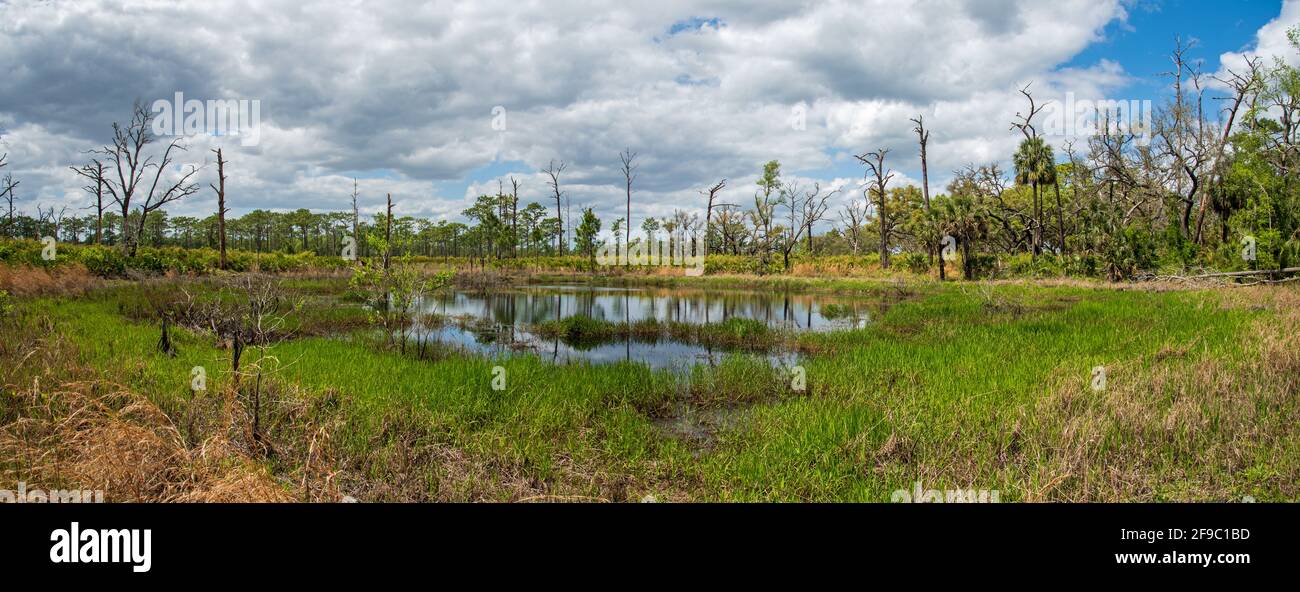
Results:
x,y
1142,44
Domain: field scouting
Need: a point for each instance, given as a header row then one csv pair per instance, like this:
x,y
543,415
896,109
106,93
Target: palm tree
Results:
x,y
963,219
1035,166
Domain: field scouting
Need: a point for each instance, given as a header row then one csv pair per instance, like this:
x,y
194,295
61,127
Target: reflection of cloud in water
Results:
x,y
497,319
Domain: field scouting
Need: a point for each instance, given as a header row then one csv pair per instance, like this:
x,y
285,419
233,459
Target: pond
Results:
x,y
502,321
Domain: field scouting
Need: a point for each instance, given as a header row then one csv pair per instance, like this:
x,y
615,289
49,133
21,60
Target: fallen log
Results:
x,y
1244,273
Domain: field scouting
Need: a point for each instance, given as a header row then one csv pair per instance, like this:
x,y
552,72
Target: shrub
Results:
x,y
1082,266
982,265
740,264
23,252
1026,265
918,263
102,261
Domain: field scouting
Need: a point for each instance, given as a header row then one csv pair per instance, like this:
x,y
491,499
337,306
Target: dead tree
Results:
x,y
388,234
814,206
553,172
852,215
7,190
1025,124
43,217
728,220
875,161
923,138
220,189
248,313
514,217
712,194
1243,85
792,197
356,218
131,164
629,174
58,220
1183,136
94,173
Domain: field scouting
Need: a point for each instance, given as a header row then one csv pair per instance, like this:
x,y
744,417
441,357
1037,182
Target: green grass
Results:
x,y
956,386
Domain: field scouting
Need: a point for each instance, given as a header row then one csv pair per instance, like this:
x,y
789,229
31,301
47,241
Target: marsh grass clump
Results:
x,y
94,436
732,334
580,330
739,380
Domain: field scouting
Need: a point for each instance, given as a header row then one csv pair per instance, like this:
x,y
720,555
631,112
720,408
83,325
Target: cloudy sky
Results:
x,y
402,95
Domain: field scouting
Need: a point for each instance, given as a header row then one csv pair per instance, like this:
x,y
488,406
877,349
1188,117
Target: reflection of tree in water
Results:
x,y
853,313
529,306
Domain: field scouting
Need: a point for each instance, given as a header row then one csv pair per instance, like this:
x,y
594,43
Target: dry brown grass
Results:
x,y
95,436
67,280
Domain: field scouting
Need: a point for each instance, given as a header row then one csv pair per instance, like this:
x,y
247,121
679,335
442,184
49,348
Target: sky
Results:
x,y
435,102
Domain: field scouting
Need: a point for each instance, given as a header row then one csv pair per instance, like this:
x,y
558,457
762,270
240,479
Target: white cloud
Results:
x,y
1271,43
407,90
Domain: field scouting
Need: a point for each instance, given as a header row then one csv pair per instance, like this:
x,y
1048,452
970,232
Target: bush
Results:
x,y
918,263
741,264
1082,266
1026,265
982,265
102,261
24,252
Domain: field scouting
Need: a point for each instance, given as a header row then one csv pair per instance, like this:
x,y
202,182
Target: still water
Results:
x,y
497,321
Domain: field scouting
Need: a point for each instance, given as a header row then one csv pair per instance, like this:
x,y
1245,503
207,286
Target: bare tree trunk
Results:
x,y
876,162
923,138
220,188
356,219
514,217
388,233
629,174
1060,214
554,173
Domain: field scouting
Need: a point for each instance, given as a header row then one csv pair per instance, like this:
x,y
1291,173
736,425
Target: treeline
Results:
x,y
1191,192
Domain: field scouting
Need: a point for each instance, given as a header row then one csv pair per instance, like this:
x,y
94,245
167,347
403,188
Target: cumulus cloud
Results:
x,y
1271,43
401,94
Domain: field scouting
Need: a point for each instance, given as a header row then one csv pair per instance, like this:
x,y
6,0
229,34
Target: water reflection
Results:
x,y
496,322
